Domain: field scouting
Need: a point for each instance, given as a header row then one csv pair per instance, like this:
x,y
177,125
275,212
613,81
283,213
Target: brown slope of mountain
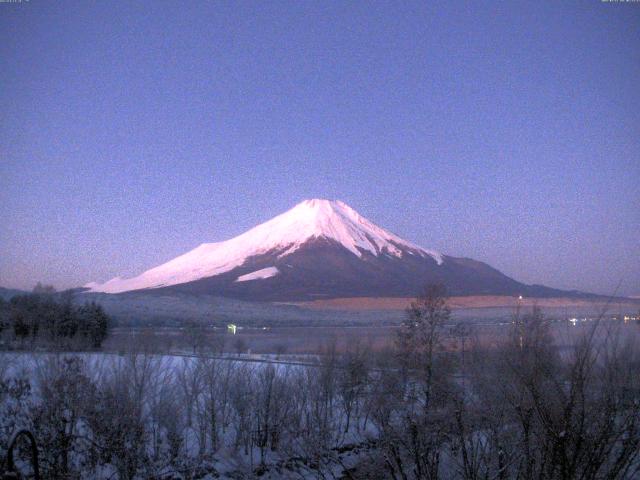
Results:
x,y
323,269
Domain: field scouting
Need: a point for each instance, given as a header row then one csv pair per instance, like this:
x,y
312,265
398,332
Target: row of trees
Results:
x,y
45,317
518,408
523,408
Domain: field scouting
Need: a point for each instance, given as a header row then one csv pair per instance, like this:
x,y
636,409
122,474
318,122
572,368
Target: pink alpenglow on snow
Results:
x,y
332,220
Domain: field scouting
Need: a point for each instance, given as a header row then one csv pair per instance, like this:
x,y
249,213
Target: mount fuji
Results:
x,y
319,249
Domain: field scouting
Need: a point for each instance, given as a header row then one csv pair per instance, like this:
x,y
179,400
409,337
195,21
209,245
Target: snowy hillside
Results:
x,y
283,235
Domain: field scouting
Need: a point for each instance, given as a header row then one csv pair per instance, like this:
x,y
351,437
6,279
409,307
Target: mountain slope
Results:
x,y
282,235
8,293
319,249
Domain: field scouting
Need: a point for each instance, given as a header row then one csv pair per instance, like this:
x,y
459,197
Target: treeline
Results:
x,y
47,318
519,408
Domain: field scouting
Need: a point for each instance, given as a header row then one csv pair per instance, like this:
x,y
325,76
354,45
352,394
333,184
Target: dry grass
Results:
x,y
474,301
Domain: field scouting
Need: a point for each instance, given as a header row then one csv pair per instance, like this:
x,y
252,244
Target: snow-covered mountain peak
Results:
x,y
320,211
311,219
335,220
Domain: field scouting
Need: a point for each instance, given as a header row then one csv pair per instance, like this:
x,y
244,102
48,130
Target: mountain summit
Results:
x,y
318,249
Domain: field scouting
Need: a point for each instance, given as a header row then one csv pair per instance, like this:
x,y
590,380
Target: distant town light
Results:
x,y
232,328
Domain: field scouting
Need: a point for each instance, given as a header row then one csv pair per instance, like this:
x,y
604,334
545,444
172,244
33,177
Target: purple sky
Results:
x,y
508,132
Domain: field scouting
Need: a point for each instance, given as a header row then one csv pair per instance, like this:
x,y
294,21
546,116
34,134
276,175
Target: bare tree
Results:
x,y
414,428
63,387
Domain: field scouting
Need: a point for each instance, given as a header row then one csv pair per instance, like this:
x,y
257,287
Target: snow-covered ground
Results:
x,y
162,375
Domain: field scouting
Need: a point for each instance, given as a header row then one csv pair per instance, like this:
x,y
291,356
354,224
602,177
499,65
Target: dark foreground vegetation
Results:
x,y
521,409
46,319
